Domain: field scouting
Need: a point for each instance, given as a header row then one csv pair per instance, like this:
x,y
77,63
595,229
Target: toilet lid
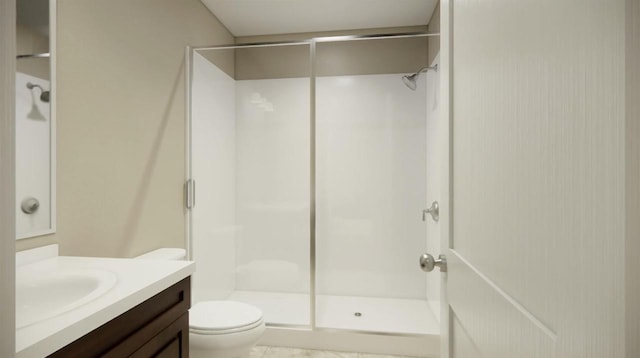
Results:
x,y
222,315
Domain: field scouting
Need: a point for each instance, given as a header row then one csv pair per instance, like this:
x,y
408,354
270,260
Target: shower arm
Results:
x,y
427,68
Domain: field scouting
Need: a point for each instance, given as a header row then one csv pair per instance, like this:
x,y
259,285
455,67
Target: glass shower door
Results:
x,y
251,160
371,187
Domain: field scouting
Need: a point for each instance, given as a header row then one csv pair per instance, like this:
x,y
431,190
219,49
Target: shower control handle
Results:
x,y
428,263
29,205
434,211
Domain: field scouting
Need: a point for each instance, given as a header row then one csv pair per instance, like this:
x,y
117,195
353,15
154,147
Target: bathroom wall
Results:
x,y
371,186
333,59
29,41
7,177
434,41
121,136
632,190
213,137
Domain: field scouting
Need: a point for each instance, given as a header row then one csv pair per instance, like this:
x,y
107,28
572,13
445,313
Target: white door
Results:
x,y
536,241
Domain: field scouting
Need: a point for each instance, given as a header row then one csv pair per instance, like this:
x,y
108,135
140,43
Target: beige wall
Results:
x,y
434,27
632,150
332,59
121,146
29,41
7,176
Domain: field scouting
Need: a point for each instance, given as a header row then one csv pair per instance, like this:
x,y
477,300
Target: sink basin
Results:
x,y
43,295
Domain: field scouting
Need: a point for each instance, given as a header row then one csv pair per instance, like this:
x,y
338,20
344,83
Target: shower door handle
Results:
x,y
428,263
190,193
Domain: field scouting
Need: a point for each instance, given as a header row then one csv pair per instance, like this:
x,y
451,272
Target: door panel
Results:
x,y
500,327
537,123
462,343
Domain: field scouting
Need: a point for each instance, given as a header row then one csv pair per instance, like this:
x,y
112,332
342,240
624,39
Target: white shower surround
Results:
x,y
250,153
213,150
272,185
371,172
436,145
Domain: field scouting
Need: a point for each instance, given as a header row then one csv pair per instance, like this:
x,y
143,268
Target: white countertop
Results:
x,y
137,280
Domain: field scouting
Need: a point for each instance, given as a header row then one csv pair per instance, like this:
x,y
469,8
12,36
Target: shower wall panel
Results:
x,y
371,186
213,141
272,163
437,176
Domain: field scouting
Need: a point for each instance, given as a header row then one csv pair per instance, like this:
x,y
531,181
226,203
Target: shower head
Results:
x,y
44,95
411,80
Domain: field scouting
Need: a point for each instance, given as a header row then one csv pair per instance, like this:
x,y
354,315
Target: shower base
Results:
x,y
385,325
283,309
362,314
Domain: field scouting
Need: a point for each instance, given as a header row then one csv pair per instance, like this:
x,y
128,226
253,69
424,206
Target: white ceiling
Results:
x,y
267,17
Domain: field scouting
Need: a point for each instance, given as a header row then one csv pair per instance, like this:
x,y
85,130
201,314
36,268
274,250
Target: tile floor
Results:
x,y
282,352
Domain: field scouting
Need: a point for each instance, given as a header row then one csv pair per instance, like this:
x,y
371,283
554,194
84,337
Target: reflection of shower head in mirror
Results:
x,y
44,95
411,80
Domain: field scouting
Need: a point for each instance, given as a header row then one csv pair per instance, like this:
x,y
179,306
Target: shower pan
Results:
x,y
310,160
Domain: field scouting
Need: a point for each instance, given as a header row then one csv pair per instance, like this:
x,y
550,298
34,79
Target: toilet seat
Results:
x,y
223,317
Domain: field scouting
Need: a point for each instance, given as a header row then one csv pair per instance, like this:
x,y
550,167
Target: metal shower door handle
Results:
x,y
428,263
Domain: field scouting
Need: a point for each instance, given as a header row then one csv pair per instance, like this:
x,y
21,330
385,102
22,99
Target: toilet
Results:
x,y
217,329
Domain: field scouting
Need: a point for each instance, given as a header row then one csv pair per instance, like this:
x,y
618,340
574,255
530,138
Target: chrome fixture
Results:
x,y
434,211
428,263
411,80
44,95
29,205
34,55
190,193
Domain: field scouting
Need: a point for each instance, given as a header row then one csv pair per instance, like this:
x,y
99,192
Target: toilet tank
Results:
x,y
165,253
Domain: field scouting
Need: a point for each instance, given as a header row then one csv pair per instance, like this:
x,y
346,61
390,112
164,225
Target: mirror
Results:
x,y
35,120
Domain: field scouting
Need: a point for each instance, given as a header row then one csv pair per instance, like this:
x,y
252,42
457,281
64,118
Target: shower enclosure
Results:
x,y
307,167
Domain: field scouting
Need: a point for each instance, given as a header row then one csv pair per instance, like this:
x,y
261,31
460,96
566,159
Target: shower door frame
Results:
x,y
189,186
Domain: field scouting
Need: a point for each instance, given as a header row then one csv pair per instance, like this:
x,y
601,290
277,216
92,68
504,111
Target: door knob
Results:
x,y
428,263
434,211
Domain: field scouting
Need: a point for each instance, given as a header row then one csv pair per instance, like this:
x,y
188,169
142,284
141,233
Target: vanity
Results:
x,y
89,307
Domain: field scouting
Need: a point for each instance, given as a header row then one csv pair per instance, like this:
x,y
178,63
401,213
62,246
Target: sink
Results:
x,y
46,294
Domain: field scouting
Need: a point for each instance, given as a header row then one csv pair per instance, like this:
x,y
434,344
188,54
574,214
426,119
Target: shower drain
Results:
x,y
358,314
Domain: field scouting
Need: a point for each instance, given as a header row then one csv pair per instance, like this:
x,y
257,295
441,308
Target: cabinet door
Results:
x,y
172,342
131,331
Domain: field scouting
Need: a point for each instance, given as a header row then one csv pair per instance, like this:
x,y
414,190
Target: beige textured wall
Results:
x,y
121,147
332,59
33,242
632,149
7,176
29,41
434,27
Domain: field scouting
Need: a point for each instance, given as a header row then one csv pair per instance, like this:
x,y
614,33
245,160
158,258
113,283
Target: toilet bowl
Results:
x,y
217,329
224,329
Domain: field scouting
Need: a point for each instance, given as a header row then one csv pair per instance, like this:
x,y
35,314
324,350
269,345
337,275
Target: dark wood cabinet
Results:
x,y
158,327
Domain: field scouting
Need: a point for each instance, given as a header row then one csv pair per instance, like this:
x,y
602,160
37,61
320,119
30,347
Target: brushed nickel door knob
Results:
x,y
428,263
